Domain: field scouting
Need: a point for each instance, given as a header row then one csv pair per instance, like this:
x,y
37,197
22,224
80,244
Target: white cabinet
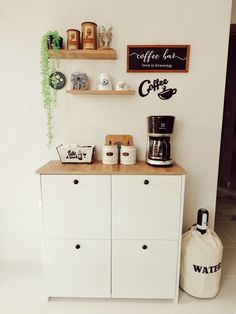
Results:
x,y
146,207
77,235
76,207
78,268
144,269
146,219
112,231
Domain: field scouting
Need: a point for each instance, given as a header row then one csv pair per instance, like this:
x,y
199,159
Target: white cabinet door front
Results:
x,y
144,269
76,206
146,207
77,268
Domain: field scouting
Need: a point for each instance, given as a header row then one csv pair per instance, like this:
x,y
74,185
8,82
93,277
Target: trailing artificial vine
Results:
x,y
49,66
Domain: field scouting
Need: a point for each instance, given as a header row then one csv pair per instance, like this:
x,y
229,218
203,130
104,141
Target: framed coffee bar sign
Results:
x,y
158,58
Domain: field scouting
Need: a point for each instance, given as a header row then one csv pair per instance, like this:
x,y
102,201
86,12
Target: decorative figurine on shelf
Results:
x,y
79,80
122,85
105,37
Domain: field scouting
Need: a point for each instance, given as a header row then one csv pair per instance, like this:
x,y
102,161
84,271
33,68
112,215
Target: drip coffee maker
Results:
x,y
159,151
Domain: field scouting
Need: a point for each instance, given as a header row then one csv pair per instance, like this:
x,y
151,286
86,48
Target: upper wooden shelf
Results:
x,y
97,54
100,92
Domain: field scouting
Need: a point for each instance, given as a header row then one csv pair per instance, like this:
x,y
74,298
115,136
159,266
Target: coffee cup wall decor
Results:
x,y
166,93
157,85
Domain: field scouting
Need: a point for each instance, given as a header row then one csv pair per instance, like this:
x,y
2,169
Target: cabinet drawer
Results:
x,y
76,206
144,273
146,207
73,271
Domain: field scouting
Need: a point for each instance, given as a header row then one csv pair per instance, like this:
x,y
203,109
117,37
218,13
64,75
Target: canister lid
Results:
x,y
129,147
112,147
88,23
73,29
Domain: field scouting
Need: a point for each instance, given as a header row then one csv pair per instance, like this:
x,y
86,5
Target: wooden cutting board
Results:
x,y
119,139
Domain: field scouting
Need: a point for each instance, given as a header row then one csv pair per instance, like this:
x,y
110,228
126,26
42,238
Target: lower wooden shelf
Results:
x,y
100,92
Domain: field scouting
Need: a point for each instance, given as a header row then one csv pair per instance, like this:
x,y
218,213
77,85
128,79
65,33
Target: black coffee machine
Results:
x,y
159,151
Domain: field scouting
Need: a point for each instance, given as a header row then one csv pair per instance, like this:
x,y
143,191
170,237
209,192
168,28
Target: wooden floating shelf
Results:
x,y
100,92
109,54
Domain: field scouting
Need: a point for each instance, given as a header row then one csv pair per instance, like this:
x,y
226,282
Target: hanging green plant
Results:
x,y
49,66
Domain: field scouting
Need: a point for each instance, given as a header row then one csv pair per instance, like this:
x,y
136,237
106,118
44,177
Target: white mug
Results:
x,y
110,155
127,155
104,82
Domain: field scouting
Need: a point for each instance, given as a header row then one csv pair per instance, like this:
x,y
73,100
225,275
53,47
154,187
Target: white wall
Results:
x,y
233,12
197,105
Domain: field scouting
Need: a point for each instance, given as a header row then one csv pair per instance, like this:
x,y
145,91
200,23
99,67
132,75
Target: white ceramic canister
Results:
x,y
127,155
110,155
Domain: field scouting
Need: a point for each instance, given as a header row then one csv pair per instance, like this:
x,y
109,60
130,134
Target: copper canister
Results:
x,y
89,35
73,39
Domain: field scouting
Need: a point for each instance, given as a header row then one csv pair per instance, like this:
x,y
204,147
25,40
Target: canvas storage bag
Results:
x,y
201,258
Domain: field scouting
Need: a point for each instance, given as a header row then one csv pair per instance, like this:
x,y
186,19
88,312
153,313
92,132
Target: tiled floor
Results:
x,y
21,292
21,285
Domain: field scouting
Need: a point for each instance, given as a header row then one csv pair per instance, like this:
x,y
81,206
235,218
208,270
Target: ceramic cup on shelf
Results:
x,y
127,155
122,85
110,155
104,82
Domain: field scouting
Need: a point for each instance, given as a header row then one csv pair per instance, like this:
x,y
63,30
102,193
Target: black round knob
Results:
x,y
77,246
146,182
144,247
76,181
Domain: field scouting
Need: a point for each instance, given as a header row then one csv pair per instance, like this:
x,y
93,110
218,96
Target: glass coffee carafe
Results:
x,y
159,148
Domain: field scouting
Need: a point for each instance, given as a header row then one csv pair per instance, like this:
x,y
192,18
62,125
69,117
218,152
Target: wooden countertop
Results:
x,y
55,167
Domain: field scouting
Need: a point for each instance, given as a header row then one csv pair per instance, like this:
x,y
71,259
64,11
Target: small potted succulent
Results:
x,y
51,40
